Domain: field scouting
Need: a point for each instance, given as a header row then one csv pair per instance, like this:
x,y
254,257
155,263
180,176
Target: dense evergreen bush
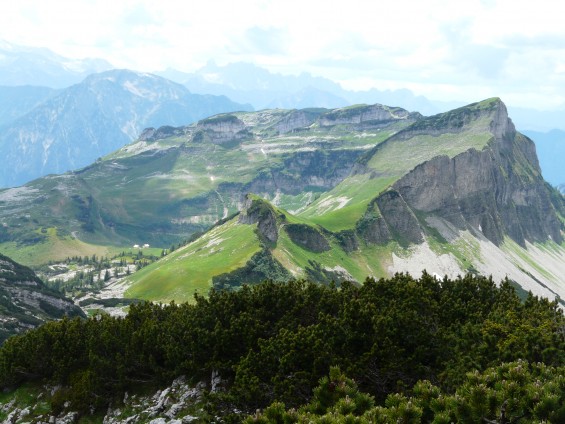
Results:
x,y
273,342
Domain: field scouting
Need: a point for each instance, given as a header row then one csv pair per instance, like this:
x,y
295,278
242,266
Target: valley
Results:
x,y
265,212
338,195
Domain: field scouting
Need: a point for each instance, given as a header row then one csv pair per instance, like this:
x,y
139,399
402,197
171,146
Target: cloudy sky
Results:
x,y
445,50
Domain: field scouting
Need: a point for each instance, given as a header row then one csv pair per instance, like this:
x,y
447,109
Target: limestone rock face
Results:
x,y
396,220
295,120
152,134
495,192
364,114
321,169
221,129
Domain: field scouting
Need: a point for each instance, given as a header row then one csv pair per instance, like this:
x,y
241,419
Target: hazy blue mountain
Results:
x,y
403,98
19,100
20,65
550,148
308,97
248,83
97,116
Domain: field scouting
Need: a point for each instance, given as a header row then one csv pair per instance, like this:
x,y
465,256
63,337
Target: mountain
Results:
x,y
308,97
175,181
21,65
338,194
453,193
25,302
248,83
93,118
550,147
17,101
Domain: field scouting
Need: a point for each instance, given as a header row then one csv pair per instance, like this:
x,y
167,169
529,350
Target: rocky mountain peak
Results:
x,y
501,125
490,114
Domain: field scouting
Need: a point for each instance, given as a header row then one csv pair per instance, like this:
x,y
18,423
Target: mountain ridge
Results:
x,y
366,190
23,65
486,196
91,119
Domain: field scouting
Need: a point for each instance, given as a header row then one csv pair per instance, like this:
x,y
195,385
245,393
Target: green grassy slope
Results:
x,y
340,208
190,269
159,191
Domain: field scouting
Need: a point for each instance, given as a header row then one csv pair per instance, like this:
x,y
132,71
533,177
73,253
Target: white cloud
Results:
x,y
441,49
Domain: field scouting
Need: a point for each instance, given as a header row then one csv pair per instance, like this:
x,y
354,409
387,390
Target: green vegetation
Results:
x,y
421,148
190,269
162,191
457,118
25,396
512,392
343,206
51,247
273,342
77,276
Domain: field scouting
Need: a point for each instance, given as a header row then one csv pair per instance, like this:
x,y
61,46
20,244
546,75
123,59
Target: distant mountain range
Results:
x,y
20,65
338,194
248,83
76,125
16,101
36,136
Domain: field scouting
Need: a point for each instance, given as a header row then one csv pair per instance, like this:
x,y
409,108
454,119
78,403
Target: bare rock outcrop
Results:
x,y
295,120
257,211
365,114
221,129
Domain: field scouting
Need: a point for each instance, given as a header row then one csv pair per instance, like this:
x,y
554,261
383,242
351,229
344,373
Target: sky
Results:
x,y
444,50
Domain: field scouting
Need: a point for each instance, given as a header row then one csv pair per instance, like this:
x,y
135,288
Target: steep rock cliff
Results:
x,y
497,191
297,119
221,129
